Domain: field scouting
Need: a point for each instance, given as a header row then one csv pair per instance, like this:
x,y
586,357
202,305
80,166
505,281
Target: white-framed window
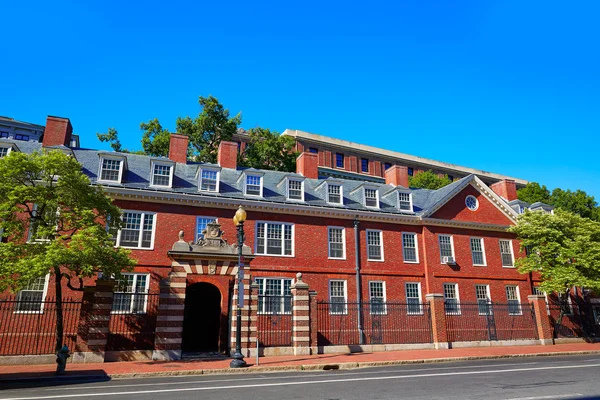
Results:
x,y
338,296
513,300
471,203
131,294
451,299
539,292
201,223
34,223
413,298
371,197
446,246
374,245
477,252
335,194
274,238
295,189
506,252
484,300
31,298
162,174
138,230
253,185
405,201
567,306
377,297
274,295
4,151
409,247
209,180
111,169
337,242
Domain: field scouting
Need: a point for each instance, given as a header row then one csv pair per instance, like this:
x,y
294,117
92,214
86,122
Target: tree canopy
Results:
x,y
563,248
578,202
64,231
428,180
269,150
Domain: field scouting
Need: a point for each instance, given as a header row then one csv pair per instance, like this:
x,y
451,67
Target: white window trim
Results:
x,y
384,312
196,233
116,158
44,293
420,298
476,202
171,171
416,247
380,244
345,312
518,299
145,292
451,245
482,250
458,312
9,149
263,289
329,228
512,253
218,171
245,184
144,213
293,225
364,194
287,189
489,297
410,197
341,203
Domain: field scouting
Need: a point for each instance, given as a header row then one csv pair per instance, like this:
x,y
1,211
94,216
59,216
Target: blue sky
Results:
x,y
506,86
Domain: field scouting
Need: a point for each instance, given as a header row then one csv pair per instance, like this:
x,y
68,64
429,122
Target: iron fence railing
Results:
x,y
28,327
274,321
490,321
383,323
577,320
132,323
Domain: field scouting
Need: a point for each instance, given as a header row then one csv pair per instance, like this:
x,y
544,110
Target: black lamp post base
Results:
x,y
238,361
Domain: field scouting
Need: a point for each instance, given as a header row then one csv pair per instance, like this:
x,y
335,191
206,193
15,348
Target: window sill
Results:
x,y
337,258
411,262
136,248
480,265
370,260
508,266
127,313
104,181
161,186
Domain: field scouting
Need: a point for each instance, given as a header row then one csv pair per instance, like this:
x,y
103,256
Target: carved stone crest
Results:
x,y
213,236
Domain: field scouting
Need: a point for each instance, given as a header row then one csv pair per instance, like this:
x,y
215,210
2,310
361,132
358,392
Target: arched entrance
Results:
x,y
202,318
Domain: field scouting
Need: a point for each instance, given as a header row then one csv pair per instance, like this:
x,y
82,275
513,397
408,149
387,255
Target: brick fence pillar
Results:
x,y
438,320
94,320
544,327
300,316
313,315
253,313
169,318
247,318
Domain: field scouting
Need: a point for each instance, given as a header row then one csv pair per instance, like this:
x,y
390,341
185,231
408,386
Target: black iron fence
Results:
x,y
28,326
274,321
383,323
486,321
132,321
577,320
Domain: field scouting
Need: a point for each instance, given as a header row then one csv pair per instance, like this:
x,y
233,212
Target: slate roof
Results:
x,y
137,176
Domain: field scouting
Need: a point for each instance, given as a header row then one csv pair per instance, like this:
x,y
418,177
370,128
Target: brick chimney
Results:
x,y
397,175
178,147
227,157
307,165
506,188
58,132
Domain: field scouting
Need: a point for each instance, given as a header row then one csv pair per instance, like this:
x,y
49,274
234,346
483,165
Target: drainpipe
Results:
x,y
358,282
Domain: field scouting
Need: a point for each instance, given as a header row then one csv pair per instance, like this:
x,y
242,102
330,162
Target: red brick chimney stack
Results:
x,y
178,146
307,165
227,157
506,188
397,175
58,132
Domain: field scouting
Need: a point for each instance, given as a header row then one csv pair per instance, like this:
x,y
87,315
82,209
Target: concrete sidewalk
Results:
x,y
285,363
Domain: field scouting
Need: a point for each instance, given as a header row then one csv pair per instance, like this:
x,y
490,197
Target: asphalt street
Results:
x,y
571,377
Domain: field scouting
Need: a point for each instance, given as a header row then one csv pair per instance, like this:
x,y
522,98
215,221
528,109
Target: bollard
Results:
x,y
61,360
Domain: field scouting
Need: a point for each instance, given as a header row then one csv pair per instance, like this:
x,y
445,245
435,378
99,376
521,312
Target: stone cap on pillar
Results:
x,y
298,283
432,296
533,297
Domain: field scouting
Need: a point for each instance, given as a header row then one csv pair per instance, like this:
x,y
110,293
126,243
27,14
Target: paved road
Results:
x,y
539,378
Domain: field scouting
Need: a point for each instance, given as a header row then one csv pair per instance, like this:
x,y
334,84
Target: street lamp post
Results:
x,y
238,358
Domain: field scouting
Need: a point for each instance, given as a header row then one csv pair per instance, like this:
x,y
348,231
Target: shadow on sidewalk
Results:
x,y
43,379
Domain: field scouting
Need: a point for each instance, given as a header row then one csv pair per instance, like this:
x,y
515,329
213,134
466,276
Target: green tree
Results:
x,y
155,139
112,137
533,192
65,225
428,180
578,202
269,150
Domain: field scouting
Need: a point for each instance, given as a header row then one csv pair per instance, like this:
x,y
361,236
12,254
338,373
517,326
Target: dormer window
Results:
x,y
295,189
162,174
111,168
4,151
371,197
335,194
253,185
405,201
209,179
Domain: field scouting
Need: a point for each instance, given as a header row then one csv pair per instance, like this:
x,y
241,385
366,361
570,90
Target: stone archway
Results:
x,y
201,318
